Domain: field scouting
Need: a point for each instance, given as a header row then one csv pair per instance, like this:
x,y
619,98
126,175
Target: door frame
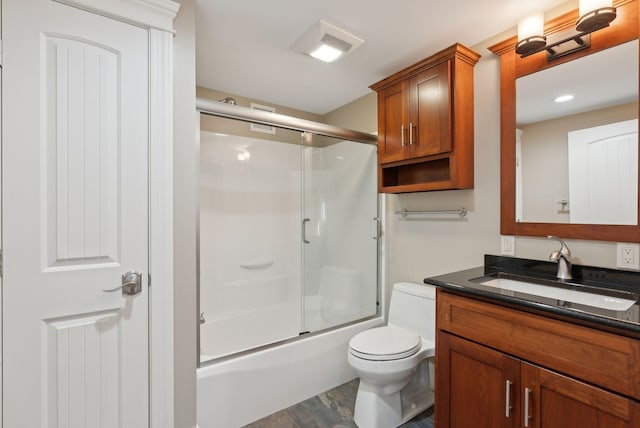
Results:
x,y
157,18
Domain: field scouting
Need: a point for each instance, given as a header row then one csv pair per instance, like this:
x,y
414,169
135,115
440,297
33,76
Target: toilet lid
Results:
x,y
384,343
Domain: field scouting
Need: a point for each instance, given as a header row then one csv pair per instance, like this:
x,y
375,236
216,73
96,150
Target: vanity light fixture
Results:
x,y
531,37
594,15
326,42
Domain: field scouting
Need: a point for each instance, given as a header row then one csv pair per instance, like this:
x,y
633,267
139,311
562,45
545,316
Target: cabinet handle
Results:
x,y
507,400
411,133
402,134
527,399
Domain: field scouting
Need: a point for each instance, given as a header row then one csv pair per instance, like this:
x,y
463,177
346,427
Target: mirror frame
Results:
x,y
623,29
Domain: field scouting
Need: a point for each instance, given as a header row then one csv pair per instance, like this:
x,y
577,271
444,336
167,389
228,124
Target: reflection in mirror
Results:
x,y
577,161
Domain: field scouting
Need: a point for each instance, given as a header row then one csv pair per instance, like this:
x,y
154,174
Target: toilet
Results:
x,y
395,362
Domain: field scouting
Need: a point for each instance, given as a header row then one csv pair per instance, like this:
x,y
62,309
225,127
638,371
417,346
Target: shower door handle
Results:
x,y
304,231
378,227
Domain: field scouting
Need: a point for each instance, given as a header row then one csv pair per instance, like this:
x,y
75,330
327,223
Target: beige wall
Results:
x,y
545,159
360,115
417,247
184,216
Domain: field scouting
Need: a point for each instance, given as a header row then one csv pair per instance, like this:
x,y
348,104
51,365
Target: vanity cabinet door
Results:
x,y
475,385
559,401
392,123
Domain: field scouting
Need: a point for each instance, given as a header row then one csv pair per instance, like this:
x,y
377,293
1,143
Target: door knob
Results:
x,y
131,284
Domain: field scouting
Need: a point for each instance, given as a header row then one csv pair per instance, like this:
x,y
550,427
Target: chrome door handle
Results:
x,y
304,231
402,135
527,399
131,284
507,400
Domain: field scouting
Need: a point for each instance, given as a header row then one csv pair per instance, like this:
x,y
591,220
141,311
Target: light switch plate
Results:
x,y
508,245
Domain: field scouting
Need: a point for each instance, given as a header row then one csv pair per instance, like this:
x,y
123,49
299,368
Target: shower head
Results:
x,y
228,100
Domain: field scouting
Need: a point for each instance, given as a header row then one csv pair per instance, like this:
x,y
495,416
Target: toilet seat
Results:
x,y
385,344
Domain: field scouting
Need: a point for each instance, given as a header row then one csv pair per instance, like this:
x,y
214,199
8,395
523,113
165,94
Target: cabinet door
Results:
x,y
471,385
430,111
559,401
392,123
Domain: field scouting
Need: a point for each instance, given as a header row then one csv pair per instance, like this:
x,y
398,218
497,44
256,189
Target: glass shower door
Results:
x,y
340,247
249,241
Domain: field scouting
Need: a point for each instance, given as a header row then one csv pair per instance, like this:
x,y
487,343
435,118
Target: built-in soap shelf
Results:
x,y
257,265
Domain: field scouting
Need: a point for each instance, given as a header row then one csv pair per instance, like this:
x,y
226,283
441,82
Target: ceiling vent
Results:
x,y
326,42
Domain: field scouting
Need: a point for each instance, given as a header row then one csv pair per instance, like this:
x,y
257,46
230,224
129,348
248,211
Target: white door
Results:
x,y
75,143
603,174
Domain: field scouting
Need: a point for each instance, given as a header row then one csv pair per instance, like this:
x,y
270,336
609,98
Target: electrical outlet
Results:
x,y
508,245
628,256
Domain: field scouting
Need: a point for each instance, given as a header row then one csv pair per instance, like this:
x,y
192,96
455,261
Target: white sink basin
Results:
x,y
579,297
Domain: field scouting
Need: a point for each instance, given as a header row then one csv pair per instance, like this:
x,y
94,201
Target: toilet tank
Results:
x,y
413,307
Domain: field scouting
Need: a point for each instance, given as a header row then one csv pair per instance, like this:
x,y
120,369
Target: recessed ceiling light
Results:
x,y
326,42
326,53
563,98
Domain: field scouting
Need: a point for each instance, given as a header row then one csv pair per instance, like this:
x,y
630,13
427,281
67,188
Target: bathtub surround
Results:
x,y
259,269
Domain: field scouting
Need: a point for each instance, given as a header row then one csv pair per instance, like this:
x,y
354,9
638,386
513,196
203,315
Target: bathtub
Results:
x,y
242,389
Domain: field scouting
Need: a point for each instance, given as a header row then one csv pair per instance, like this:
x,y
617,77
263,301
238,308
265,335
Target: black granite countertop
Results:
x,y
621,287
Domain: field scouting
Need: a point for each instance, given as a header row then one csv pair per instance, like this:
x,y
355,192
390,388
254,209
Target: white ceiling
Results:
x,y
243,46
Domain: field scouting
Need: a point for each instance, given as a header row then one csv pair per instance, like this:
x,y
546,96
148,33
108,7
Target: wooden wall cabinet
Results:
x,y
516,369
425,124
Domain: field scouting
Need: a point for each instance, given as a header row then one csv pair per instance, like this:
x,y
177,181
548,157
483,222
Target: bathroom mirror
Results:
x,y
542,200
577,140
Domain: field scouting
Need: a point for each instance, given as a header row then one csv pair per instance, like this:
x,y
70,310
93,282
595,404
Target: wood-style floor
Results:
x,y
331,409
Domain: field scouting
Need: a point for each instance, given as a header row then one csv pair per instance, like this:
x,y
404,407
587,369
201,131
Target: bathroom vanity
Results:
x,y
517,348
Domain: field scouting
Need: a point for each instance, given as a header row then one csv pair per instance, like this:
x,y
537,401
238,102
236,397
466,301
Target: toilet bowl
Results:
x,y
395,362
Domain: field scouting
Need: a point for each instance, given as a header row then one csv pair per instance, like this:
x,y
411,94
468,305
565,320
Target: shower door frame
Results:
x,y
245,114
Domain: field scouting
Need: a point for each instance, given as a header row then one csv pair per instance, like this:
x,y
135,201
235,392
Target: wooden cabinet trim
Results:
x,y
457,51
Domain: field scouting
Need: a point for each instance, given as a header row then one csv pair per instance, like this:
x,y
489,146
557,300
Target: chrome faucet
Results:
x,y
563,258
